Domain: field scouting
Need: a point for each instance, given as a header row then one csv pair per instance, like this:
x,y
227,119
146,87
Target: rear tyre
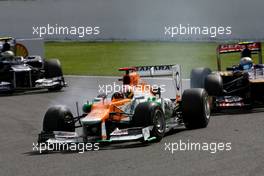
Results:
x,y
58,118
198,76
150,114
195,108
214,85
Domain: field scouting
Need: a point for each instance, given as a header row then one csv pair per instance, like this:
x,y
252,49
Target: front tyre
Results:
x,y
58,118
195,108
52,68
150,114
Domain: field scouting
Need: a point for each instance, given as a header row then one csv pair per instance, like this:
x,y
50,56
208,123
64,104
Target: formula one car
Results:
x,y
137,113
239,86
31,72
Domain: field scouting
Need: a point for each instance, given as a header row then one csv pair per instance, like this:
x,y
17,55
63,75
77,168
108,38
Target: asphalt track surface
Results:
x,y
21,121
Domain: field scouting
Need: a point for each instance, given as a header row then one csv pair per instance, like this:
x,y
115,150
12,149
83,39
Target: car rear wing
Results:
x,y
254,47
173,71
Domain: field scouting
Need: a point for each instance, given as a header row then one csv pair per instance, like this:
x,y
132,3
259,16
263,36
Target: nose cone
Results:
x,y
97,115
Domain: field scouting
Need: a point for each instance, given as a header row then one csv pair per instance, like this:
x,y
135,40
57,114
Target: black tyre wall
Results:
x,y
198,76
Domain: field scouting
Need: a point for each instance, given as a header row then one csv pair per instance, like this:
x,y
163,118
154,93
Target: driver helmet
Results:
x,y
117,96
246,63
8,54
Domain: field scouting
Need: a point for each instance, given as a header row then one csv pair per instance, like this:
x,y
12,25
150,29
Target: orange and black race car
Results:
x,y
239,86
137,113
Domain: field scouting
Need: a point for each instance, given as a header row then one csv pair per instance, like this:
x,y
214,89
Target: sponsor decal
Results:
x,y
155,68
225,48
21,50
146,133
119,132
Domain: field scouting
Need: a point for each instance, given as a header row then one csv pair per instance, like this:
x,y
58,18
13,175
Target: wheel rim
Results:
x,y
68,118
158,122
207,108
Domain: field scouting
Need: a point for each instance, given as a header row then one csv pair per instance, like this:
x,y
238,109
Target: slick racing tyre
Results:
x,y
150,114
195,108
214,85
58,118
53,69
198,76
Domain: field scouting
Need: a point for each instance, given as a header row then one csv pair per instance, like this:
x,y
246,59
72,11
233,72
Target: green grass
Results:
x,y
104,58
